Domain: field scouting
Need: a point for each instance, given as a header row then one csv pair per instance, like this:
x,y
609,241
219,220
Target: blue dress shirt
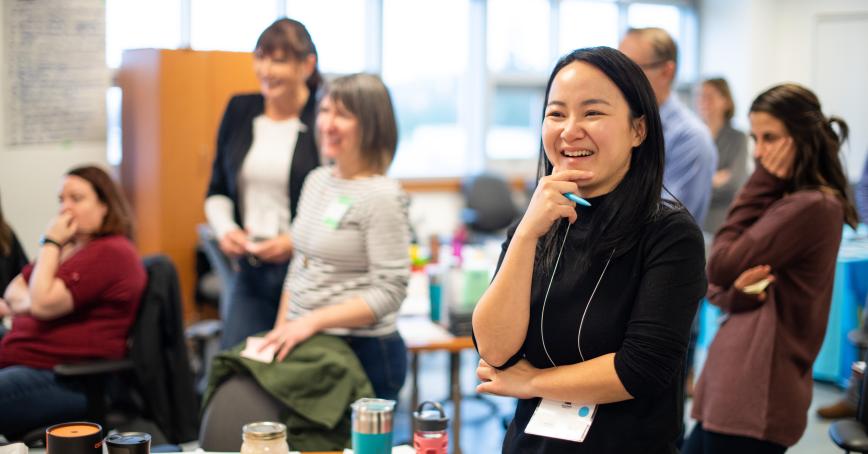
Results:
x,y
691,158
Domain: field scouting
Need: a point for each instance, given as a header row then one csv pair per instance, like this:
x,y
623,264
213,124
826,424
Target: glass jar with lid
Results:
x,y
264,438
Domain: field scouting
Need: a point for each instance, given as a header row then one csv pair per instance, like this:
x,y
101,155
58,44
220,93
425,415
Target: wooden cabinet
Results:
x,y
173,101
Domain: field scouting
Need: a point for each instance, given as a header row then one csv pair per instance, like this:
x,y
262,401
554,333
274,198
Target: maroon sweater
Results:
x,y
106,279
757,380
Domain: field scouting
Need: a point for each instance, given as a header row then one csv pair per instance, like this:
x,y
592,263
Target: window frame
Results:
x,y
476,110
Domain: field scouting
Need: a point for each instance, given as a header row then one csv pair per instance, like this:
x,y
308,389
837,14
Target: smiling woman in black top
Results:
x,y
594,305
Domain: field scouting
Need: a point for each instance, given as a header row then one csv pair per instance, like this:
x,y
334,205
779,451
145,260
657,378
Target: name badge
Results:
x,y
336,211
562,420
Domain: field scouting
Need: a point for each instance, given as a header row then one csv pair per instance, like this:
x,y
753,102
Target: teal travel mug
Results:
x,y
372,426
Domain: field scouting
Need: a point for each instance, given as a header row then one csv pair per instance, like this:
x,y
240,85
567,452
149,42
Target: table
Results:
x,y
849,293
848,298
454,346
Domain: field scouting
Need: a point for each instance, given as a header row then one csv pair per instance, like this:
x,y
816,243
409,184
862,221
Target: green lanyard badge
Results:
x,y
336,211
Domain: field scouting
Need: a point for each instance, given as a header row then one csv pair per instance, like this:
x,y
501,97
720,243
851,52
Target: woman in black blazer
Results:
x,y
265,149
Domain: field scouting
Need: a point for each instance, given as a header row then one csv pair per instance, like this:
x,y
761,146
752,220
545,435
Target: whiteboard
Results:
x,y
841,80
55,71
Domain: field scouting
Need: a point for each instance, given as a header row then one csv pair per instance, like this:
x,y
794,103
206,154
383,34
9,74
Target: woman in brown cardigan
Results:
x,y
783,230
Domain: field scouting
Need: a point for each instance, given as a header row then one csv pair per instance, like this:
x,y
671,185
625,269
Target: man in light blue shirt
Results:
x,y
691,157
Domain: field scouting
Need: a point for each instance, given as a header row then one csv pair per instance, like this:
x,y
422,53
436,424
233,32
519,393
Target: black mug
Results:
x,y
129,443
74,438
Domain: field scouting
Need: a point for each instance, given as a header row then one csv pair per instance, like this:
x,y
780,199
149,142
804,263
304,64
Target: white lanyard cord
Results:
x,y
582,322
546,298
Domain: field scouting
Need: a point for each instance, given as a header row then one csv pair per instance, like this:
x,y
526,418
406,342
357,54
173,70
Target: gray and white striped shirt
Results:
x,y
364,254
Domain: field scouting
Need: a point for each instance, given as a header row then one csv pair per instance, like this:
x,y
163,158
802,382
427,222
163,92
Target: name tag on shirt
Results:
x,y
336,211
562,420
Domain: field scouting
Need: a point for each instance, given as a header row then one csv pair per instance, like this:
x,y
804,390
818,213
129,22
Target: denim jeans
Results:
x,y
32,398
384,359
255,298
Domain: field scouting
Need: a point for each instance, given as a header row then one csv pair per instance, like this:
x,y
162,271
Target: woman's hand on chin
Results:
x,y
548,203
62,228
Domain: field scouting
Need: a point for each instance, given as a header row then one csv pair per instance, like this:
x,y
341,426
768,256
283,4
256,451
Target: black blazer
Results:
x,y
235,137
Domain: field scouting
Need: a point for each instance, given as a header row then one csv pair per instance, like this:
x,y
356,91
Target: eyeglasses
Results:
x,y
653,65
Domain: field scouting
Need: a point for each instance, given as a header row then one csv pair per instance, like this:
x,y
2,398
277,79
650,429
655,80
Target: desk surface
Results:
x,y
454,345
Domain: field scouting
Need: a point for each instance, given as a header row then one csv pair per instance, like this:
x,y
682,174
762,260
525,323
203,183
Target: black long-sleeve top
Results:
x,y
11,265
642,311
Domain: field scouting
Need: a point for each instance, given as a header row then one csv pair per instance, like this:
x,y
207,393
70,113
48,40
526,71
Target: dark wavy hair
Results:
x,y
817,164
118,218
290,37
636,200
5,236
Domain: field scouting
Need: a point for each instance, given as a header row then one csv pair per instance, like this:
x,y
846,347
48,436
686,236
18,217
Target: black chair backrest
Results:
x,y
489,203
159,352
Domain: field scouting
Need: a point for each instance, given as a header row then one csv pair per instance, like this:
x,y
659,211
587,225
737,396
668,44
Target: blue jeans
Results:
x,y
32,398
384,360
254,301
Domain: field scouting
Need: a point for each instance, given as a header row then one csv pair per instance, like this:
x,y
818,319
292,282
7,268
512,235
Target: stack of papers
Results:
x,y
421,330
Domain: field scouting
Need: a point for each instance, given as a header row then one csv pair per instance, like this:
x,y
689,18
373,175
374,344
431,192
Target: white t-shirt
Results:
x,y
263,182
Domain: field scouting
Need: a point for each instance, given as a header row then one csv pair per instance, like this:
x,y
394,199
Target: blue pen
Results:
x,y
577,199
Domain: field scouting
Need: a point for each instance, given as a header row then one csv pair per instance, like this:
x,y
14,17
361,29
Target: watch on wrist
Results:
x,y
46,240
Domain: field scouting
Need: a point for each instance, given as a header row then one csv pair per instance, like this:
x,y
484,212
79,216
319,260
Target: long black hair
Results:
x,y
816,163
636,201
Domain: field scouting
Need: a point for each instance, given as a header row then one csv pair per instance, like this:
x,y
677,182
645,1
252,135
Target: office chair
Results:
x,y
851,435
94,377
205,334
156,369
221,264
489,207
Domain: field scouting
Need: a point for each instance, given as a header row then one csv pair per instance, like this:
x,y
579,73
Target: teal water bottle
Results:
x,y
372,426
435,293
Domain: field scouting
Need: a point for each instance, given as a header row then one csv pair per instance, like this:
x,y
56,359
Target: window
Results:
x,y
467,77
425,54
138,25
229,24
587,24
339,38
515,128
518,38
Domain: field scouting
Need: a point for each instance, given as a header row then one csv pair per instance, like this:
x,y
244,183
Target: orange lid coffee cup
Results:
x,y
74,438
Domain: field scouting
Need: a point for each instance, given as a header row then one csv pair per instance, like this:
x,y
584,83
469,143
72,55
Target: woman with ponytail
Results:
x,y
771,270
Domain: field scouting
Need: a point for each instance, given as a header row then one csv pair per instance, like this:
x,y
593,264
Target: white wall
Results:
x,y
30,176
757,44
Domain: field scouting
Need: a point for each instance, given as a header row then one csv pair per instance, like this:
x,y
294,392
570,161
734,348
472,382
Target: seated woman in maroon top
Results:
x,y
76,302
783,230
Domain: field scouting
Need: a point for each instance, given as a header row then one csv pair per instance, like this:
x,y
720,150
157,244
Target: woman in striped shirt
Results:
x,y
349,272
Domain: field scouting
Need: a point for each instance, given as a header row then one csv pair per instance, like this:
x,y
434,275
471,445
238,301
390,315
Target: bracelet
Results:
x,y
46,240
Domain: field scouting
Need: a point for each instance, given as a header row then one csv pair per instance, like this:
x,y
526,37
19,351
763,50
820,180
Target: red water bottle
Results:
x,y
429,436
